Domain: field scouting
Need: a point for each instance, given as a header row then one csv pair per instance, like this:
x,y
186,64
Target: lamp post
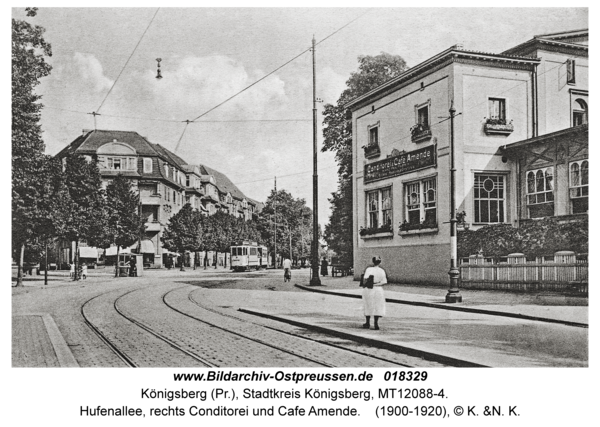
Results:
x,y
453,294
315,281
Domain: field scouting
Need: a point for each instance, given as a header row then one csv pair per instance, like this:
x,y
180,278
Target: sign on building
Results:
x,y
403,163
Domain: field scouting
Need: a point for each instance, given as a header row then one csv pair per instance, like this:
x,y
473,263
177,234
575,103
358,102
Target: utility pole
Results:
x,y
275,215
453,294
315,281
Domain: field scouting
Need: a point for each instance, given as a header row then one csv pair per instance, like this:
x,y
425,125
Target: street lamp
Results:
x,y
453,294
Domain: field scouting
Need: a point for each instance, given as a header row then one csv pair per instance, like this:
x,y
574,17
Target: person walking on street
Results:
x,y
373,299
287,270
324,265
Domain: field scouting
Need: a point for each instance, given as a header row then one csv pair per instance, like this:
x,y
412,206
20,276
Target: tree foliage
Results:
x,y
337,132
29,52
282,218
183,231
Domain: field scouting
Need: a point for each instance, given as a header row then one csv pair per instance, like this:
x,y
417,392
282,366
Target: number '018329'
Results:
x,y
405,376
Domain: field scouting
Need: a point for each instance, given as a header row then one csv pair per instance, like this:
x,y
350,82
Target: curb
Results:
x,y
61,349
458,363
463,309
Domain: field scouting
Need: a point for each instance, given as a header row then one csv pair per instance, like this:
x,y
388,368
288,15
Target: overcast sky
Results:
x,y
208,55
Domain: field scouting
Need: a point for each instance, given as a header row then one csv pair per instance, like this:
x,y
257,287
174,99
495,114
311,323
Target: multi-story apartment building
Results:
x,y
165,183
520,149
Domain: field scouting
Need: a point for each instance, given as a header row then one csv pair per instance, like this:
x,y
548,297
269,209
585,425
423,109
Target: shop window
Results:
x,y
579,186
421,203
489,192
379,208
540,192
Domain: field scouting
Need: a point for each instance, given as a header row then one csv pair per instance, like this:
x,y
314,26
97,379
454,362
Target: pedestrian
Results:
x,y
72,273
324,265
287,270
373,299
84,269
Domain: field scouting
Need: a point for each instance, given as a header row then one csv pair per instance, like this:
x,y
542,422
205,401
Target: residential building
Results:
x,y
165,183
520,150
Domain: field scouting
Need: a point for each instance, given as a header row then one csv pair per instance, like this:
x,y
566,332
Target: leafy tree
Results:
x,y
124,225
337,132
183,232
285,218
83,217
29,52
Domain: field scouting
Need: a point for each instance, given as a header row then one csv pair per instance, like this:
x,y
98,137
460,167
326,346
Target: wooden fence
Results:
x,y
563,272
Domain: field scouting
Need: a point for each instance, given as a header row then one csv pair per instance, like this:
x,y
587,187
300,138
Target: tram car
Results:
x,y
248,256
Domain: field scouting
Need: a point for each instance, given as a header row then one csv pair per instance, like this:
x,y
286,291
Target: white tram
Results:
x,y
248,255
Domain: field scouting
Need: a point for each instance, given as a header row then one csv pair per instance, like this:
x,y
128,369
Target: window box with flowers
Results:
x,y
376,232
498,127
372,150
425,227
420,132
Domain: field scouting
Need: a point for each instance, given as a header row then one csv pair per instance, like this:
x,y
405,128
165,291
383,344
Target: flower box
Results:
x,y
498,127
372,151
376,232
419,133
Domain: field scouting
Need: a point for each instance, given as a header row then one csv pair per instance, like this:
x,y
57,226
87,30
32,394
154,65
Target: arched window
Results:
x,y
580,112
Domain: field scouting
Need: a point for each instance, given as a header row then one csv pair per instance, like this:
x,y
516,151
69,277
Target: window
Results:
x,y
147,165
119,163
374,136
379,209
421,197
489,198
579,112
187,180
423,116
571,71
498,110
167,171
579,186
540,192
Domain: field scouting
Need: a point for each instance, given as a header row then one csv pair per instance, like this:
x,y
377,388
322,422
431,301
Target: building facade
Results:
x,y
165,183
519,138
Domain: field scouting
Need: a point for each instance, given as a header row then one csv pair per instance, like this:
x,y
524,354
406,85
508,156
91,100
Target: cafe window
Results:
x,y
489,193
579,186
379,208
580,112
540,192
421,202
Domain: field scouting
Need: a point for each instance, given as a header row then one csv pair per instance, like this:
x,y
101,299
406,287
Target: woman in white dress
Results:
x,y
373,299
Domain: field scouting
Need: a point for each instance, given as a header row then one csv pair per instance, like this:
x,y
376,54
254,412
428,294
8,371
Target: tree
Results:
x,y
83,217
183,232
29,52
337,132
285,219
124,222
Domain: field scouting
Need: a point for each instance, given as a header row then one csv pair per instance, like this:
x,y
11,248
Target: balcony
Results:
x,y
372,151
498,127
420,133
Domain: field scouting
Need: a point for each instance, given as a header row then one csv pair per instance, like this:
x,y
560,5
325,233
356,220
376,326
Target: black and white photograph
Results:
x,y
307,212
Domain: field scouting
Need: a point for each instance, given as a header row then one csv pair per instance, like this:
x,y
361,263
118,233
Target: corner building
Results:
x,y
520,150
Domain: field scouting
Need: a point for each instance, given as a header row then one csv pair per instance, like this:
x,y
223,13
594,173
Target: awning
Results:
x,y
112,251
147,247
88,252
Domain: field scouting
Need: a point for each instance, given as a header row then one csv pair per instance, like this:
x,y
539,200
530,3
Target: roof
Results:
x,y
454,53
91,140
572,41
223,183
562,134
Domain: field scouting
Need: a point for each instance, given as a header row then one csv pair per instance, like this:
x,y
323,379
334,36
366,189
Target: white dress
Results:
x,y
373,299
